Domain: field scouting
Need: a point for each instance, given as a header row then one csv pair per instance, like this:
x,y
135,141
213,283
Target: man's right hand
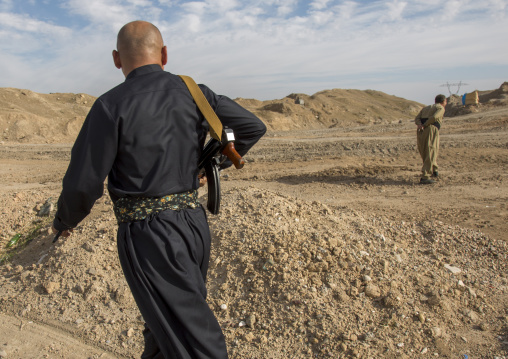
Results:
x,y
202,180
65,233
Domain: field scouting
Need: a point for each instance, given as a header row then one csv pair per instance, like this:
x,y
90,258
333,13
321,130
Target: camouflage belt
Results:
x,y
131,209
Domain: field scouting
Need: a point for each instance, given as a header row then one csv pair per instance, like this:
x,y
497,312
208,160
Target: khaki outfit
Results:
x,y
427,139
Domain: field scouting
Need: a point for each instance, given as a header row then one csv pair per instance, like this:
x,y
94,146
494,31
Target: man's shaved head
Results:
x,y
139,43
139,38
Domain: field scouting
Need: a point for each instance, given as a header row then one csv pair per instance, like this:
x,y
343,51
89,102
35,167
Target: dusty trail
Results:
x,y
340,252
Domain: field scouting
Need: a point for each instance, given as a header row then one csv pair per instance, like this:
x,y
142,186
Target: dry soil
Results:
x,y
326,245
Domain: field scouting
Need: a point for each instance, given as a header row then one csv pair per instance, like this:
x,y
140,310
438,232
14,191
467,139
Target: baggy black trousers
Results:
x,y
165,260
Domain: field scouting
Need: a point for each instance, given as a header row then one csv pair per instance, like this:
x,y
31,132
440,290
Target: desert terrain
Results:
x,y
326,245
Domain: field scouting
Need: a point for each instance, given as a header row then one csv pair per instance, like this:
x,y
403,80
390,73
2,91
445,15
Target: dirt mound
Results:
x,y
30,117
295,280
486,100
332,108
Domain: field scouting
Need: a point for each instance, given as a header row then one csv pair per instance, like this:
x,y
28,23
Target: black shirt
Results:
x,y
146,136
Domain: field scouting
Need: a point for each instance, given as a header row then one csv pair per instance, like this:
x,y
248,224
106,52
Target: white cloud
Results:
x,y
395,10
195,7
319,4
139,2
285,7
346,9
193,23
220,6
23,23
113,14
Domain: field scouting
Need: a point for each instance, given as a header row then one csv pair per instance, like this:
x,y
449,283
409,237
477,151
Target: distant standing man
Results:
x,y
146,135
428,122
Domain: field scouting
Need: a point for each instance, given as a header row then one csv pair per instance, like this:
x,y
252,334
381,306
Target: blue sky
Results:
x,y
264,49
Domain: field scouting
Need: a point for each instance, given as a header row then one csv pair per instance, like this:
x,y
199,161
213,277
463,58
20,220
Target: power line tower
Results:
x,y
456,84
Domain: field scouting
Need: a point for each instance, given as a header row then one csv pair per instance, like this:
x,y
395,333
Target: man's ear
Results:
x,y
116,59
164,56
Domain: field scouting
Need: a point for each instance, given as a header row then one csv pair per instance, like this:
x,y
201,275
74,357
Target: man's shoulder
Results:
x,y
149,82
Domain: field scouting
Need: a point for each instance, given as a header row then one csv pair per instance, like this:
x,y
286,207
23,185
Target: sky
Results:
x,y
264,49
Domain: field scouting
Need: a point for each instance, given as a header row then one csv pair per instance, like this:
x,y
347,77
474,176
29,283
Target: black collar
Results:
x,y
143,70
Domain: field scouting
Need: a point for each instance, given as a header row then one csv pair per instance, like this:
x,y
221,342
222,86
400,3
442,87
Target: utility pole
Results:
x,y
456,84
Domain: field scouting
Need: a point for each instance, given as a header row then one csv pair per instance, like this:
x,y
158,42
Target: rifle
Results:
x,y
214,154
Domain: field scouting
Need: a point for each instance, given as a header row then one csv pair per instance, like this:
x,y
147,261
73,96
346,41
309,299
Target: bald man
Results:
x,y
146,136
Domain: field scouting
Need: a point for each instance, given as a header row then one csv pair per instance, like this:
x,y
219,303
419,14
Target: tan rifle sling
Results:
x,y
204,107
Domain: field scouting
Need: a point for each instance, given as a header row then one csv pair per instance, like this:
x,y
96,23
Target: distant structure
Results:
x,y
456,84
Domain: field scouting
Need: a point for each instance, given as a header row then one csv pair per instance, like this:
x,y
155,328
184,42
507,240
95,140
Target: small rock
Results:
x,y
223,307
434,300
251,320
92,271
318,267
46,208
472,315
436,332
367,278
268,264
372,291
88,247
484,326
50,287
392,300
130,332
424,350
249,337
471,292
342,295
453,270
386,266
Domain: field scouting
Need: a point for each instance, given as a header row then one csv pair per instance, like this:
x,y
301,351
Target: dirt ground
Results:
x,y
326,247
